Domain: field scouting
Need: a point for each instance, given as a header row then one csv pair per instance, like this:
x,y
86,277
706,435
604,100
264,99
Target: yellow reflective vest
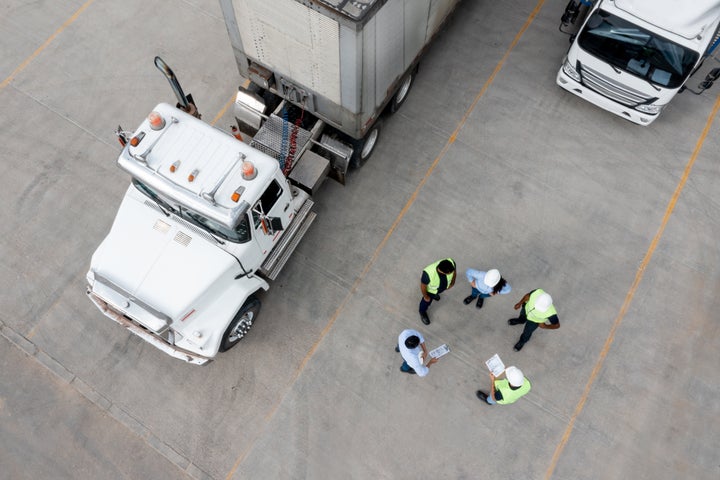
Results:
x,y
534,315
431,270
509,395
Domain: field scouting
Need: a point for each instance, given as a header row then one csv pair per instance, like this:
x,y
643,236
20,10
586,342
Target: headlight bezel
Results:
x,y
571,71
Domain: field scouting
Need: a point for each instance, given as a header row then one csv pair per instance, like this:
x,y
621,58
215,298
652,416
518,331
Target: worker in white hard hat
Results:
x,y
507,390
537,311
485,285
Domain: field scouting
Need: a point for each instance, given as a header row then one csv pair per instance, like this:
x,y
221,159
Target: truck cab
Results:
x,y
631,57
206,221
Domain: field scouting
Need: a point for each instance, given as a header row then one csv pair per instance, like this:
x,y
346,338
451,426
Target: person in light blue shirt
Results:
x,y
411,345
485,285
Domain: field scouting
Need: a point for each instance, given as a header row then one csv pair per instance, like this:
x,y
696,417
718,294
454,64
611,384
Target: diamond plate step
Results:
x,y
269,138
289,241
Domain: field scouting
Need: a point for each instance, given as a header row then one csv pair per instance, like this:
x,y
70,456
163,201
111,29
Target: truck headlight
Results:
x,y
649,109
570,70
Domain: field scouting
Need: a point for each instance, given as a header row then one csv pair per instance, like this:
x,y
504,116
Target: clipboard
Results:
x,y
495,365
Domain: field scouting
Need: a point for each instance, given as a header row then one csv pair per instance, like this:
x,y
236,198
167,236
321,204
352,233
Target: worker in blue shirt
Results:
x,y
485,285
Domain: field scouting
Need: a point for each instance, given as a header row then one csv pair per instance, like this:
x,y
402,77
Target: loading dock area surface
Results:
x,y
488,162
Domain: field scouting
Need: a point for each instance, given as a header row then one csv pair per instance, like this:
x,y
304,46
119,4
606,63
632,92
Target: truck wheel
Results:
x,y
402,92
365,147
241,324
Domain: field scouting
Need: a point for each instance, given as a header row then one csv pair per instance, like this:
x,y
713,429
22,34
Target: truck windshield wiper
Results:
x,y
160,206
658,89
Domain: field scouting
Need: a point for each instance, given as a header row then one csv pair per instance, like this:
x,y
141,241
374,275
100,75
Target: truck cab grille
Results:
x,y
607,87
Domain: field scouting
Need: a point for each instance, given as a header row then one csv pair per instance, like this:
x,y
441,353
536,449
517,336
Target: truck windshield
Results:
x,y
637,51
241,234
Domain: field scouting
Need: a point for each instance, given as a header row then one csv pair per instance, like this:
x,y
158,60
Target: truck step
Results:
x,y
289,241
275,137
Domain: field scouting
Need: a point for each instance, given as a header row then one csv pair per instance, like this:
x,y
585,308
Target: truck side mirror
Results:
x,y
710,79
713,75
571,13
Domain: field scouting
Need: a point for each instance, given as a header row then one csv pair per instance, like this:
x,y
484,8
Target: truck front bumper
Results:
x,y
146,335
605,103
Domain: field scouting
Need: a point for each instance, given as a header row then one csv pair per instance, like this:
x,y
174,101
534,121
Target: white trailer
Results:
x,y
338,62
631,57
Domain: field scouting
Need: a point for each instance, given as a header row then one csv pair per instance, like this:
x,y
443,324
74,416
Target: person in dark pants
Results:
x,y
537,311
435,279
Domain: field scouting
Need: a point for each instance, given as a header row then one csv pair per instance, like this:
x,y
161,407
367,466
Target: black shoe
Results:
x,y
411,371
480,302
468,300
518,346
434,296
397,349
481,395
514,321
424,317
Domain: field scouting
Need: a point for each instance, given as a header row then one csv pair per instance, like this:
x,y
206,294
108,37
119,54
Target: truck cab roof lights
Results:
x,y
135,141
142,157
193,174
174,166
235,197
156,121
249,171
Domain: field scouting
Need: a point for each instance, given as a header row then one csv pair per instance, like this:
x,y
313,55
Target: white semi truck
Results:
x,y
631,57
209,221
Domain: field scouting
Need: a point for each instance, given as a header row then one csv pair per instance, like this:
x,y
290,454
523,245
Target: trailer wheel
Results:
x,y
402,92
240,325
364,148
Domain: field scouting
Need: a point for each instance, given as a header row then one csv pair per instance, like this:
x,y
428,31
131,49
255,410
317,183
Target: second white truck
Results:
x,y
631,57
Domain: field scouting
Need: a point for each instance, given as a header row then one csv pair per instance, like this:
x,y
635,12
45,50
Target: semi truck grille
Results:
x,y
611,89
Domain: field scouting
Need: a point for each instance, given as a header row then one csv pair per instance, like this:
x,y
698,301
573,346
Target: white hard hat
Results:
x,y
492,277
543,302
514,376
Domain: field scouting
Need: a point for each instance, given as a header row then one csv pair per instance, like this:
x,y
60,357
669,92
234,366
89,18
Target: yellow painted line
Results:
x,y
42,47
389,233
227,105
631,293
223,110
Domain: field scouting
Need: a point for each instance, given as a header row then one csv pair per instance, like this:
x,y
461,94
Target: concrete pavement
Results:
x,y
617,222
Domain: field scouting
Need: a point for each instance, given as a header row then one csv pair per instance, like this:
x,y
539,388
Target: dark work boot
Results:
x,y
480,302
518,346
468,299
481,395
424,317
514,321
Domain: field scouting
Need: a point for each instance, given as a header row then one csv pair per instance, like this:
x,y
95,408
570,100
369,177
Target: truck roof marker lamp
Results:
x,y
174,166
249,171
142,157
192,175
156,121
235,197
135,141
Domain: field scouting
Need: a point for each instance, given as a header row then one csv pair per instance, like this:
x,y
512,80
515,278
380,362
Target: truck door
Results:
x,y
271,214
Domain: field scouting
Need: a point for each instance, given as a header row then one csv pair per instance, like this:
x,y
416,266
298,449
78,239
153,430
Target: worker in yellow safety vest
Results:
x,y
537,311
435,279
507,390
